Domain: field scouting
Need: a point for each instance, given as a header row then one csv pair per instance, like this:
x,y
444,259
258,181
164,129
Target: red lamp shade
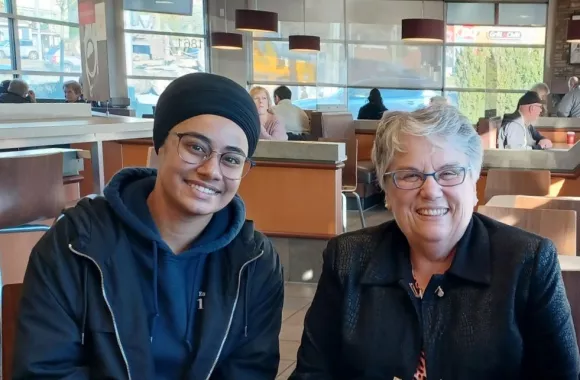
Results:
x,y
256,21
423,29
227,41
573,31
304,43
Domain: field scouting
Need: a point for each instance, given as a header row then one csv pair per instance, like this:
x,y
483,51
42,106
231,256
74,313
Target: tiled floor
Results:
x,y
297,299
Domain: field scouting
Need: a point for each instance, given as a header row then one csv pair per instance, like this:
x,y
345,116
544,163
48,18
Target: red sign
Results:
x,y
87,12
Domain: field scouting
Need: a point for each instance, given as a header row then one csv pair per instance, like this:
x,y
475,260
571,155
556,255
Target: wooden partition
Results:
x,y
488,129
517,182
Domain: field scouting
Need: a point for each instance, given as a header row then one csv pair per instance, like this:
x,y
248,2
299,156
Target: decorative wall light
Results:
x,y
423,29
304,42
256,21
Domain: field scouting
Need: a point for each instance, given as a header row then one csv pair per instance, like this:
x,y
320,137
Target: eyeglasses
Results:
x,y
414,179
195,151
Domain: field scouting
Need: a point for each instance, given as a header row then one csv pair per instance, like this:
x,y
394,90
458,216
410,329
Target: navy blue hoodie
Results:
x,y
171,284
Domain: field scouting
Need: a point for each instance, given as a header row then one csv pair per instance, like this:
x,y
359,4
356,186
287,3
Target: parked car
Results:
x,y
27,49
70,64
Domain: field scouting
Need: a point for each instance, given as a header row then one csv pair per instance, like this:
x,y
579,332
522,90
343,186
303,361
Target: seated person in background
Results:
x,y
162,278
374,109
569,106
18,92
517,131
295,119
440,292
438,100
4,86
543,91
73,93
272,127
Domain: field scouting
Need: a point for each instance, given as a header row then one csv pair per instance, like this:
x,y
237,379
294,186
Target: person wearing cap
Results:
x,y
517,131
163,277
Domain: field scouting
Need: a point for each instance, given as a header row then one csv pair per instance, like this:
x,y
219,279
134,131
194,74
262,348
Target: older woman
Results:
x,y
543,91
73,93
440,292
272,127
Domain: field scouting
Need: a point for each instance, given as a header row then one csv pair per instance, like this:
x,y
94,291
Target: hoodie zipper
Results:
x,y
232,312
108,306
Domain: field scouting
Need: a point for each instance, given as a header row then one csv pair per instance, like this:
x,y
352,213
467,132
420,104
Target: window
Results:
x,y
471,13
159,48
6,47
56,49
56,10
312,97
273,62
398,66
394,100
48,87
489,65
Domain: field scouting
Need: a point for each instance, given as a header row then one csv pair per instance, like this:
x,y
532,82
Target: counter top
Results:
x,y
27,133
558,123
301,151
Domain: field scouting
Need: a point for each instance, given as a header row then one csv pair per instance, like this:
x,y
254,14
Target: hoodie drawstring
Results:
x,y
191,307
155,287
85,303
249,273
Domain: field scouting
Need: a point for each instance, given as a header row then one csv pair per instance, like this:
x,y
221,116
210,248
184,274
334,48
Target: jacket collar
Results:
x,y
390,261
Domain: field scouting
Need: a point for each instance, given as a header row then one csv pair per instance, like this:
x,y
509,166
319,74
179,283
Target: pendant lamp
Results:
x,y
573,35
225,40
303,42
423,29
256,21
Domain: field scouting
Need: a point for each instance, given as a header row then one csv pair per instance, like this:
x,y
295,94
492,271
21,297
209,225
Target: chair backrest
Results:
x,y
556,225
315,124
337,125
349,172
152,158
11,295
517,182
488,128
31,188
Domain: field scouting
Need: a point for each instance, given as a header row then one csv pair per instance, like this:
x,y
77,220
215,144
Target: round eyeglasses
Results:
x,y
414,179
194,150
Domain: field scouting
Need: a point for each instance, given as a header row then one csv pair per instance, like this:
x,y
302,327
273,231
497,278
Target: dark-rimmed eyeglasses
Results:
x,y
414,179
193,150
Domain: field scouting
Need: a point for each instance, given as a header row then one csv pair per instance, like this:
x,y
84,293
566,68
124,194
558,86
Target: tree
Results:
x,y
495,68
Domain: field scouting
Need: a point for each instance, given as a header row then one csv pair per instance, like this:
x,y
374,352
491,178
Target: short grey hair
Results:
x,y
442,125
74,86
18,87
572,83
541,87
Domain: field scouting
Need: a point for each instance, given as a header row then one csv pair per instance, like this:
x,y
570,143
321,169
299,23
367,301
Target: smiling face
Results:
x,y
432,213
261,101
200,189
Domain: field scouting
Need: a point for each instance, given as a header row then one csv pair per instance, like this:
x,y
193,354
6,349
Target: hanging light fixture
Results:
x,y
303,42
423,29
573,35
225,40
251,20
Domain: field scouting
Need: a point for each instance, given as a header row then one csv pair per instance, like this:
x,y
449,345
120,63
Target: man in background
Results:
x,y
294,118
570,104
18,92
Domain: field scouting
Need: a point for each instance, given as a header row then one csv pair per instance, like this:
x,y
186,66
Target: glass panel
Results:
x,y
402,66
273,62
380,20
144,94
59,10
324,18
310,97
47,87
496,35
510,68
474,104
2,5
193,24
164,56
471,13
50,47
522,14
5,44
394,100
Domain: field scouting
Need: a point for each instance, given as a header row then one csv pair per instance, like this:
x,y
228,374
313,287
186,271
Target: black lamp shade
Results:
x,y
423,29
304,43
256,21
227,41
573,31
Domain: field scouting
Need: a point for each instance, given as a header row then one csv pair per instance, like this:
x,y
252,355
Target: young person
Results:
x,y
162,278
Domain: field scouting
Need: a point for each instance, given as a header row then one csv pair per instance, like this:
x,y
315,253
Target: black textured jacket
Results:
x,y
503,312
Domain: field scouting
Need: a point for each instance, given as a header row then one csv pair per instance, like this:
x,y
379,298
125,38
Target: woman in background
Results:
x,y
543,90
374,109
272,127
